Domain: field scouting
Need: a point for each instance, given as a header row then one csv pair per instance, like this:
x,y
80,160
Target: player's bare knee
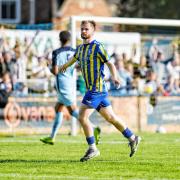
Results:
x,y
81,119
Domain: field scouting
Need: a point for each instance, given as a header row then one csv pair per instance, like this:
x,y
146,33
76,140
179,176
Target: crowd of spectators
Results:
x,y
23,73
155,74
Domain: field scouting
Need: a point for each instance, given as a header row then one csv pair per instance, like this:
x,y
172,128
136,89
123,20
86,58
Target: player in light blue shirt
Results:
x,y
65,82
65,86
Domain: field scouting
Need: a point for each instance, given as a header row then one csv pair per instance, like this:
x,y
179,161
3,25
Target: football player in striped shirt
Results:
x,y
92,57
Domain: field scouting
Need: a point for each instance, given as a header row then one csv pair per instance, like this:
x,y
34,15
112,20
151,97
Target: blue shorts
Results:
x,y
96,100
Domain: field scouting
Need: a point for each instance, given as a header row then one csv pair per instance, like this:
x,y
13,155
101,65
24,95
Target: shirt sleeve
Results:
x,y
76,54
103,54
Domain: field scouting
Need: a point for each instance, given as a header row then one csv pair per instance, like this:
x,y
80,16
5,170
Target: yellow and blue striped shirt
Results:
x,y
91,58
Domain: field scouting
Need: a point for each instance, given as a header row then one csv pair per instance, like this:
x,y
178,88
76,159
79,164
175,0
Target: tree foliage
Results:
x,y
159,9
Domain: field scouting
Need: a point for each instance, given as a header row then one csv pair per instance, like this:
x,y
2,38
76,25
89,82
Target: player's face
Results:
x,y
87,31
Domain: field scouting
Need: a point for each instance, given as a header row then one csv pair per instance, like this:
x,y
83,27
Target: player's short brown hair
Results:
x,y
93,23
64,36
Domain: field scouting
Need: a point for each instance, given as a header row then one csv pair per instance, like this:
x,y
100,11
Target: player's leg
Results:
x,y
57,123
73,110
92,151
111,117
58,120
75,113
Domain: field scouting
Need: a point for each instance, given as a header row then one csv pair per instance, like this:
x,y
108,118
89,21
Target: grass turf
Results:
x,y
25,157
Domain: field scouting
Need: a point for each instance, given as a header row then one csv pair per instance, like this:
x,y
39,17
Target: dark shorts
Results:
x,y
96,100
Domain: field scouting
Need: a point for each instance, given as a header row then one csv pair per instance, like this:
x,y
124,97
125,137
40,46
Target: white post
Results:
x,y
73,126
73,44
132,21
73,119
73,31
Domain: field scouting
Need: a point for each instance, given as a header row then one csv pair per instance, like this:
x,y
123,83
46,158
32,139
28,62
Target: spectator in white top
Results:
x,y
19,68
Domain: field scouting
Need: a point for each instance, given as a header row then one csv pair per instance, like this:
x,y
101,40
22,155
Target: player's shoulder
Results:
x,y
79,46
68,48
97,43
63,49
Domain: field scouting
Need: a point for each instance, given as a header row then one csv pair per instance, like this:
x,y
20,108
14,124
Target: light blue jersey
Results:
x,y
65,82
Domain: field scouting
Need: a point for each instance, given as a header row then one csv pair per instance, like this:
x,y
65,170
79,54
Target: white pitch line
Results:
x,y
68,141
16,175
64,141
19,176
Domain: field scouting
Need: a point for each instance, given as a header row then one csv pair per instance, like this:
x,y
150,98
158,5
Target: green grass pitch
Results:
x,y
25,157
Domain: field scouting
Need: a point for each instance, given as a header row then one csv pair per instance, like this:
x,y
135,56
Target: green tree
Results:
x,y
160,9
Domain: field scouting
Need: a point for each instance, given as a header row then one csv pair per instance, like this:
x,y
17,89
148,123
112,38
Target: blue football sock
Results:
x,y
90,140
127,133
75,114
57,124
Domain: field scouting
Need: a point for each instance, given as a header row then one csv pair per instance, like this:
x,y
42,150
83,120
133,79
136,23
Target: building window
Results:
x,y
10,11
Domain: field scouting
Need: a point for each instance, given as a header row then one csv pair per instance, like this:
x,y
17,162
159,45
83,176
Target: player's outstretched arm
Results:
x,y
66,65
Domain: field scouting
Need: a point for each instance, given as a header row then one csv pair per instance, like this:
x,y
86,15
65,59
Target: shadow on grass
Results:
x,y
56,161
37,161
